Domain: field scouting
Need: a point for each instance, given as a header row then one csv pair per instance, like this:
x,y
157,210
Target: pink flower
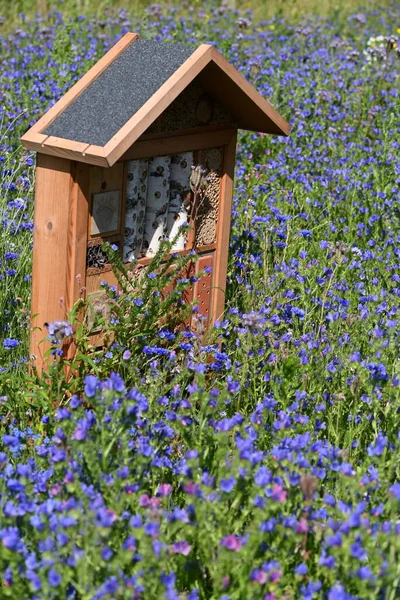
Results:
x,y
164,489
302,527
278,493
274,576
259,576
144,500
192,489
232,542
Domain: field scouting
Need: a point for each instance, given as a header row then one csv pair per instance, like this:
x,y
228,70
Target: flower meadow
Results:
x,y
260,460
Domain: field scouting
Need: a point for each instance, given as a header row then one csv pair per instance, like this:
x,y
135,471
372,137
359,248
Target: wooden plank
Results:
x,y
123,207
95,155
79,156
162,98
69,147
77,244
32,137
83,83
93,281
191,131
223,232
54,190
177,143
203,291
78,234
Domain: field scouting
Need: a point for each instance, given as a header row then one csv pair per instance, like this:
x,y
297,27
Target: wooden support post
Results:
x,y
59,246
223,232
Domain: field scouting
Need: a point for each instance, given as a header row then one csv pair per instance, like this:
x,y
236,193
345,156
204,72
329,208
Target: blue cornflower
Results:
x,y
227,485
54,577
10,539
91,383
395,490
365,573
9,343
301,569
106,553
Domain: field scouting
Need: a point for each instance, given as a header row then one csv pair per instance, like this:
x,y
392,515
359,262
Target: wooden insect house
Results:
x,y
142,143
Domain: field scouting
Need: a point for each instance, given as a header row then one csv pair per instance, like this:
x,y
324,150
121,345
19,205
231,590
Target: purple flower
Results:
x,y
301,569
126,355
152,529
54,577
263,476
10,539
59,330
259,576
75,402
12,441
15,485
278,493
164,489
106,553
182,547
395,490
227,485
365,573
9,343
117,382
105,517
232,542
91,383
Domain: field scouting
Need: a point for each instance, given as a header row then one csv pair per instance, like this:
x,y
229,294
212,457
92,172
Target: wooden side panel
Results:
x,y
77,234
53,197
203,292
223,231
77,242
93,282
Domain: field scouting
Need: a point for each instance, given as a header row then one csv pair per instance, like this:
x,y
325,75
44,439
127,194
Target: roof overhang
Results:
x,y
249,109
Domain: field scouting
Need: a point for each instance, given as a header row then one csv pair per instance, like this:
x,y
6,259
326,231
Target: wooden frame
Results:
x,y
55,259
223,230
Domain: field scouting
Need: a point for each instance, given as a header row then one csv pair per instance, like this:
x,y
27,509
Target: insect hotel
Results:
x,y
143,143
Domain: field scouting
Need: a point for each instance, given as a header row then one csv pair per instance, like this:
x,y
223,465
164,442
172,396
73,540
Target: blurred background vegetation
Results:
x,y
13,12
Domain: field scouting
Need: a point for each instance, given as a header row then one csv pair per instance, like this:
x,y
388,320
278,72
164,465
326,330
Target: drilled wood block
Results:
x,y
192,108
203,287
207,217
